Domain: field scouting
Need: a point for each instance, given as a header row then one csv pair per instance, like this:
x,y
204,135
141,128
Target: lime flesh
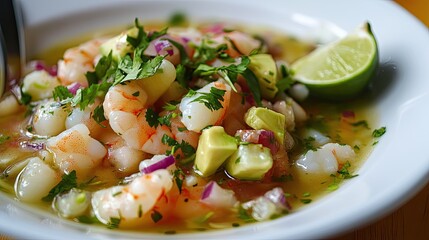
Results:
x,y
342,69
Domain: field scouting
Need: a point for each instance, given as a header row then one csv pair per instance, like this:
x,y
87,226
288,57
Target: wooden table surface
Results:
x,y
411,221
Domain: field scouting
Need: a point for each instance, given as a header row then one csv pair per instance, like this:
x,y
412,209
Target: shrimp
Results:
x,y
197,116
78,116
134,203
125,106
77,61
74,149
327,159
35,180
122,157
49,119
176,131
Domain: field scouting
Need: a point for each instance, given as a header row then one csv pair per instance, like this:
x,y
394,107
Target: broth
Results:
x,y
338,121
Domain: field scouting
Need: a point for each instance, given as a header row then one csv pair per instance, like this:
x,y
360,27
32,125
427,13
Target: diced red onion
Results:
x,y
165,45
34,146
217,28
38,65
267,139
162,164
264,137
185,39
207,190
348,114
277,196
214,195
74,87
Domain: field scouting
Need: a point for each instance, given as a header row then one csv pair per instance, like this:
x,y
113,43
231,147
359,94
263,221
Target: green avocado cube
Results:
x,y
214,147
249,162
263,118
265,69
119,44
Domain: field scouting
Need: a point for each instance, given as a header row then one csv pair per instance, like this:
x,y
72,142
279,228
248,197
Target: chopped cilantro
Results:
x,y
113,223
244,215
379,132
156,216
211,100
178,19
308,144
3,138
88,219
25,97
98,115
286,81
140,213
253,84
306,200
362,123
170,106
179,176
152,117
67,182
61,93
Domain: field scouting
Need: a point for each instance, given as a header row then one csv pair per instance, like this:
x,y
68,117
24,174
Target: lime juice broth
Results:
x,y
301,189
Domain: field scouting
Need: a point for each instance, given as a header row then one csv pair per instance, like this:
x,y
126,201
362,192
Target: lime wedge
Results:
x,y
340,69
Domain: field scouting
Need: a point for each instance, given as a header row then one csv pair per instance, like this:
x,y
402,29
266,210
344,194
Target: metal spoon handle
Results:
x,y
13,45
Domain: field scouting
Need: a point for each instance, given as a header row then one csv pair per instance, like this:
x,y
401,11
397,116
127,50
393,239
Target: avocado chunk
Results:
x,y
264,118
265,69
119,45
249,162
214,147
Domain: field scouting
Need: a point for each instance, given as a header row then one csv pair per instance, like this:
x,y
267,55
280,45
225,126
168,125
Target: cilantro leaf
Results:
x,y
98,115
178,19
379,132
3,138
179,176
244,215
156,216
67,182
61,93
285,81
362,123
253,83
25,97
113,223
152,117
211,100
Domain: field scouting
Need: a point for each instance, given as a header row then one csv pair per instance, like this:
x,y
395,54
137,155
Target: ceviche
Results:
x,y
178,128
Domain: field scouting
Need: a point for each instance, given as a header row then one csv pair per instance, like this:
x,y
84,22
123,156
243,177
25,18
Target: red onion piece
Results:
x,y
267,139
215,196
277,196
74,87
162,164
348,114
165,45
38,65
264,137
33,146
207,190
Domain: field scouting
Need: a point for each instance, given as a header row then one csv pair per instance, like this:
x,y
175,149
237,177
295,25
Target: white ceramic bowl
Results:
x,y
397,168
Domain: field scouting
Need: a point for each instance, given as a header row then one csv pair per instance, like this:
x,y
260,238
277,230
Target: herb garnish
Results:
x,y
211,100
113,223
179,176
379,132
156,216
67,182
244,215
3,138
61,93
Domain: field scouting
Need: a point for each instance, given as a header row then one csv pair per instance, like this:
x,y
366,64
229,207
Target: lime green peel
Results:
x,y
342,69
